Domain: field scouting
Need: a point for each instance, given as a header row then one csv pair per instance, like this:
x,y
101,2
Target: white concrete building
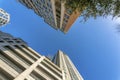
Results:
x,y
20,62
64,62
4,17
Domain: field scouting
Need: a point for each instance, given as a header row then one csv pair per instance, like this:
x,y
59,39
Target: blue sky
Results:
x,y
94,46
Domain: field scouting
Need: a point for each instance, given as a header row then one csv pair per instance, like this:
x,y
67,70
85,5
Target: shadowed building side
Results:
x,y
44,9
54,13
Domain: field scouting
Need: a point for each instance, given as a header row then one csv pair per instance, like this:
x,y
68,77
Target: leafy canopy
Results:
x,y
95,8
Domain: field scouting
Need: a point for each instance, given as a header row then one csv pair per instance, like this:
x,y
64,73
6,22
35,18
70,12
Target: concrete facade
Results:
x,y
54,13
4,17
64,62
20,62
44,9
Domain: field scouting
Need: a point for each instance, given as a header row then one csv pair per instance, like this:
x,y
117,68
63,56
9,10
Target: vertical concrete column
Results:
x,y
54,11
62,13
67,75
74,68
63,75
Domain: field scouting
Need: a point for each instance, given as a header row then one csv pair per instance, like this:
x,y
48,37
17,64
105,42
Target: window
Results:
x,y
9,61
58,11
14,39
6,38
17,41
51,69
28,54
66,16
36,76
1,14
58,16
69,11
5,76
45,72
43,1
47,61
18,55
1,41
37,55
10,41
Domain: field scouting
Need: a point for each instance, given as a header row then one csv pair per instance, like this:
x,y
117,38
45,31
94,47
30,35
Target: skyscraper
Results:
x,y
64,62
4,17
54,13
20,62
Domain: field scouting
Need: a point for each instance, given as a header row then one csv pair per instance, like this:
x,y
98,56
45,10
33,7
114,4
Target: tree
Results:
x,y
95,8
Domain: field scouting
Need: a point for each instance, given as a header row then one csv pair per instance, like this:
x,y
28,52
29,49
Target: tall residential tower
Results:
x,y
4,17
54,13
64,63
20,62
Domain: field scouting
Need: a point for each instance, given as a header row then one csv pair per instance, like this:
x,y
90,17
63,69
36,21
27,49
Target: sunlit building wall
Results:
x,y
64,62
20,62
